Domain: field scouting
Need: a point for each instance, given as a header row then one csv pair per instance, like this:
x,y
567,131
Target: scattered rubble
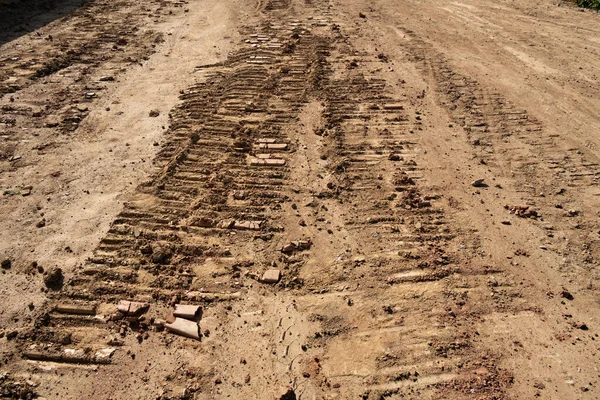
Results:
x,y
523,211
299,245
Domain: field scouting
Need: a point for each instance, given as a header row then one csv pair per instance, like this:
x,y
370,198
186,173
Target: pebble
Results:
x,y
479,183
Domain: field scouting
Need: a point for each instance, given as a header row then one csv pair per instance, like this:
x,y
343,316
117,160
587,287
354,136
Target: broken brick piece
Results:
x,y
187,311
132,307
271,276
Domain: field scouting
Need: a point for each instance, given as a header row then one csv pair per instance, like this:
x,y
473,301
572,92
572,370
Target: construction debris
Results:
x,y
132,308
79,309
187,311
184,327
271,276
73,356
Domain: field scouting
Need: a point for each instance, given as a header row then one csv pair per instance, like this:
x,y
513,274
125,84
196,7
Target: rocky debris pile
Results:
x,y
130,315
298,245
10,388
523,211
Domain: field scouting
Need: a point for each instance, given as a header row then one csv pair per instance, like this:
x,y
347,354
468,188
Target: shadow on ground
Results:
x,y
19,17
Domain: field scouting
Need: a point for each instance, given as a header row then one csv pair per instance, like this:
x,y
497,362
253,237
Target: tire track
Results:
x,y
372,269
553,173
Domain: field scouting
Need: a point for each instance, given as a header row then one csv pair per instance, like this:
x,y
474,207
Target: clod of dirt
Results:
x,y
64,338
6,264
161,254
566,294
53,279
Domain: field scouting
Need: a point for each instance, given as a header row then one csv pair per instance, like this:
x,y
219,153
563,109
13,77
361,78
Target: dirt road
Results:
x,y
421,178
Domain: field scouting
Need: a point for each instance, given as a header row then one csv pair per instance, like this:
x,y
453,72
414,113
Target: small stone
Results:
x,y
506,222
289,248
539,385
6,264
479,183
395,157
271,276
302,222
41,223
580,325
154,113
52,121
11,335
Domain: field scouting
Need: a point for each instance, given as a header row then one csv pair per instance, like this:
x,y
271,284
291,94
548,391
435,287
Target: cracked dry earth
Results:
x,y
424,177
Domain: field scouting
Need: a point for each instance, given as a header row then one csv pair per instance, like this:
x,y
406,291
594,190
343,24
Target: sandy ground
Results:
x,y
173,151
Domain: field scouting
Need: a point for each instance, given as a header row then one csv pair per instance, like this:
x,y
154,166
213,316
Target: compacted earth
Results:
x,y
355,200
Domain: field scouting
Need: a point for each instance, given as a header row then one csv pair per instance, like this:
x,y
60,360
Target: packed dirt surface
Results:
x,y
390,200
